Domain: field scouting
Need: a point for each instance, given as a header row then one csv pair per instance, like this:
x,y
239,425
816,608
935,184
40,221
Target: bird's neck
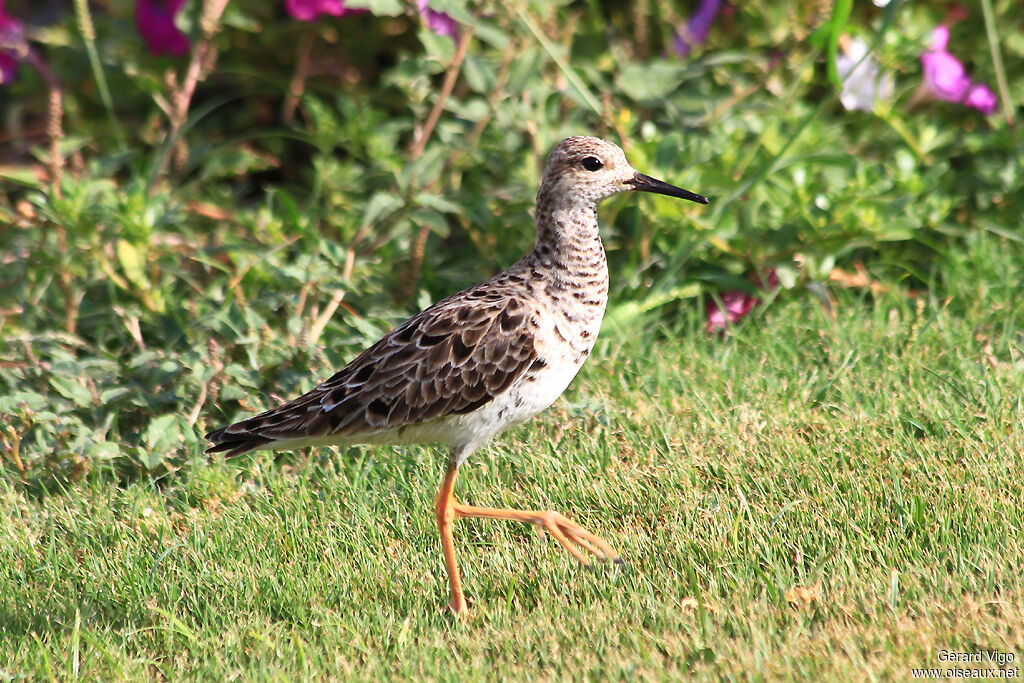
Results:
x,y
569,248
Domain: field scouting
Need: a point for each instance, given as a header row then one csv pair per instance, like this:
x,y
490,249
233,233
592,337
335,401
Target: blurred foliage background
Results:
x,y
186,236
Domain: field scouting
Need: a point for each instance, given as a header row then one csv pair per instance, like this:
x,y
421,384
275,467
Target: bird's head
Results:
x,y
588,169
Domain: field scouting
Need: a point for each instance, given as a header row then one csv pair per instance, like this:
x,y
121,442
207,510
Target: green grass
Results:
x,y
871,456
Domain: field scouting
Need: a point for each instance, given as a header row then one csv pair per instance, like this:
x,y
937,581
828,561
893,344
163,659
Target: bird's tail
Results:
x,y
285,427
235,442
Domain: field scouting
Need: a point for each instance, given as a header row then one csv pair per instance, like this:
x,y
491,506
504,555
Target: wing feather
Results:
x,y
452,358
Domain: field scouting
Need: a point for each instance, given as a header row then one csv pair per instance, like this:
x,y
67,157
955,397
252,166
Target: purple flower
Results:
x,y
982,98
946,79
944,76
697,29
735,305
8,67
308,10
440,23
154,20
12,43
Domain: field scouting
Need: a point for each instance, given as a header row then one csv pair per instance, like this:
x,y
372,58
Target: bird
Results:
x,y
480,361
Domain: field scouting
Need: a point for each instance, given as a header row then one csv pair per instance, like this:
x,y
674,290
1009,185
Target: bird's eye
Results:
x,y
591,163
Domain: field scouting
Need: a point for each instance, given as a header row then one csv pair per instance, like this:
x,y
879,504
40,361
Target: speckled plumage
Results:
x,y
482,360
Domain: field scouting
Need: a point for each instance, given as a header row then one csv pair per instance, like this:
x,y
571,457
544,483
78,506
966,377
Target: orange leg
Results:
x,y
564,530
572,536
444,509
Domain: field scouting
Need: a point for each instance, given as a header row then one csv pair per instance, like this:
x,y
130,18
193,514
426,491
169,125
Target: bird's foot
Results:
x,y
573,537
459,608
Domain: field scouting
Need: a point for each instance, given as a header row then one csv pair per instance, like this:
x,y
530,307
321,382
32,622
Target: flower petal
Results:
x,y
697,28
862,83
8,67
440,23
736,304
154,20
12,39
982,98
945,77
308,10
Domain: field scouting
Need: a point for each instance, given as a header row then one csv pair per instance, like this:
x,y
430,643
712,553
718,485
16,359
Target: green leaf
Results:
x,y
71,390
378,8
491,34
438,203
621,317
285,206
19,400
162,435
112,394
132,263
439,48
381,205
479,74
21,175
646,82
456,9
787,276
232,162
435,221
104,450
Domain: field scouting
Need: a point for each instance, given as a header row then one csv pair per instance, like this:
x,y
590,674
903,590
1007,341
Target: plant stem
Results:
x,y
570,74
200,62
451,75
54,117
298,84
419,243
85,27
997,61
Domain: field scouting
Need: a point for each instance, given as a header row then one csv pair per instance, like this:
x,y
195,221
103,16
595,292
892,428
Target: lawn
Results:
x,y
823,493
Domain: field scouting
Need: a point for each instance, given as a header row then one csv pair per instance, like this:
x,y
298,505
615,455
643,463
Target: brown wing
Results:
x,y
449,359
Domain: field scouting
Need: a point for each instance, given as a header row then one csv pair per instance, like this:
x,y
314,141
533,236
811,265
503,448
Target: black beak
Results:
x,y
645,183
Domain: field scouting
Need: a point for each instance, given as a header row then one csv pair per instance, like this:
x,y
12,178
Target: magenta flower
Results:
x,y
154,20
737,304
982,98
8,67
946,79
308,10
12,44
697,28
439,22
944,76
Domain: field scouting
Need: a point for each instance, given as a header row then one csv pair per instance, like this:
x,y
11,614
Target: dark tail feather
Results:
x,y
234,444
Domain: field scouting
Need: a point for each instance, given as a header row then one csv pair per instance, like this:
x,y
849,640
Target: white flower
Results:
x,y
862,85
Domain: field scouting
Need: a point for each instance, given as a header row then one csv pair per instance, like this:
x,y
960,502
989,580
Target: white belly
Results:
x,y
519,403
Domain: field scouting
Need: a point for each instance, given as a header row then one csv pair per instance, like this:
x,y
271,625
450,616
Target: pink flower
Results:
x,y
944,76
946,79
439,22
697,28
12,45
737,304
308,10
154,20
8,67
982,98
